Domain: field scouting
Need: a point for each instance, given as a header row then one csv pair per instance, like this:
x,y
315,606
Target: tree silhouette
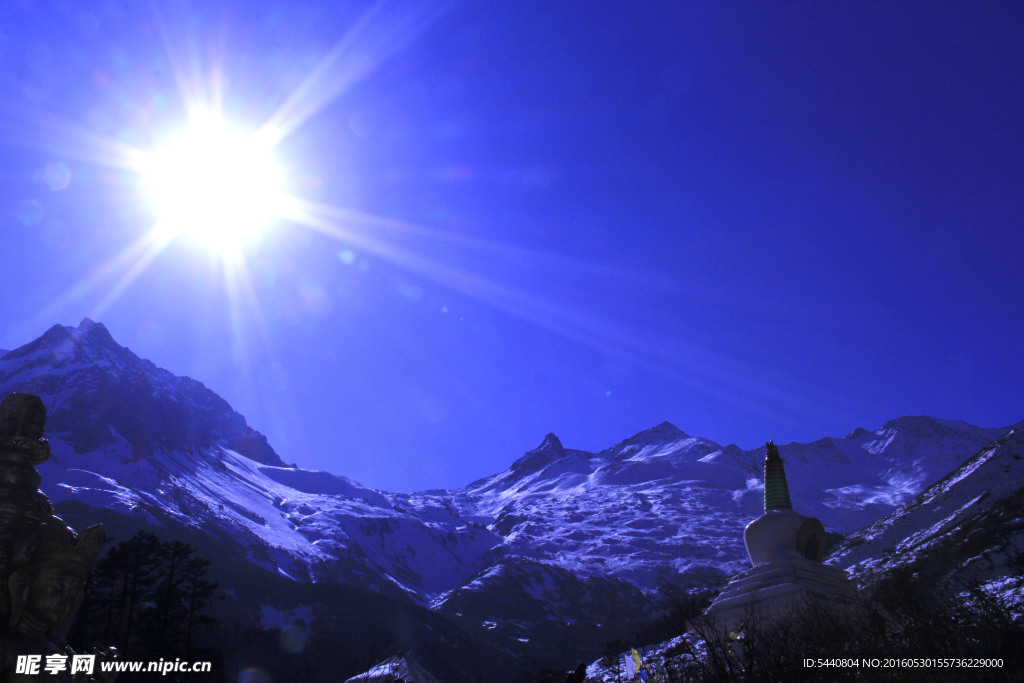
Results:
x,y
147,598
196,593
121,588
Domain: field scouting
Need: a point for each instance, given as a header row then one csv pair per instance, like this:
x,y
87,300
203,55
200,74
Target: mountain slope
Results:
x,y
135,447
664,503
967,526
130,438
566,545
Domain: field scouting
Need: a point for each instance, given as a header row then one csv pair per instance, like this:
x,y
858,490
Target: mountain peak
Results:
x,y
90,342
550,443
550,449
657,436
666,432
95,332
96,388
666,429
927,424
57,333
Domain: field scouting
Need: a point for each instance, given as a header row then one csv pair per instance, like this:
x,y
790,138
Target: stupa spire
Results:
x,y
776,490
786,550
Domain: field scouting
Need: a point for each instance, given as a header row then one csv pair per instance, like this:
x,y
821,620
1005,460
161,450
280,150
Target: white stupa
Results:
x,y
786,550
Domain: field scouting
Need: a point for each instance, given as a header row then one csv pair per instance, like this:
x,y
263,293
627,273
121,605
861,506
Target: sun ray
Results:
x,y
706,371
146,246
236,279
242,299
153,245
198,84
47,133
527,259
382,31
259,353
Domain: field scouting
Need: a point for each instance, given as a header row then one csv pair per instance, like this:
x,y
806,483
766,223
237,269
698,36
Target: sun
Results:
x,y
214,184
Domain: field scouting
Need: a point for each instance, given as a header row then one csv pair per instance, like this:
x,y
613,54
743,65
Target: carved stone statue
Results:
x,y
50,565
43,562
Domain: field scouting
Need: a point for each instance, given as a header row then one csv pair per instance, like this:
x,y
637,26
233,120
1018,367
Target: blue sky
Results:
x,y
754,220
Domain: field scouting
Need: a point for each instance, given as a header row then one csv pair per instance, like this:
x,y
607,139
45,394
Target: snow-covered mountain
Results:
x,y
130,438
556,552
98,394
967,526
963,532
665,503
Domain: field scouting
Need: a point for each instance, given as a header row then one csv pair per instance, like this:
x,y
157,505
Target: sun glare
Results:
x,y
215,185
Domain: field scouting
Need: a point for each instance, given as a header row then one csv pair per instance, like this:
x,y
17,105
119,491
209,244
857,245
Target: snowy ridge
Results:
x,y
968,522
663,503
562,536
299,530
97,392
296,532
132,439
658,505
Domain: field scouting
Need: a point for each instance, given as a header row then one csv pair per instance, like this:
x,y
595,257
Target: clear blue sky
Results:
x,y
754,220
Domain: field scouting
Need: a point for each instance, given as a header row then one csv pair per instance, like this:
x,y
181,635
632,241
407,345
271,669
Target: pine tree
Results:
x,y
169,610
122,587
197,593
147,598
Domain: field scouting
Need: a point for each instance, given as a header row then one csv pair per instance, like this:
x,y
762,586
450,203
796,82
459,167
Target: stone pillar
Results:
x,y
43,562
22,447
